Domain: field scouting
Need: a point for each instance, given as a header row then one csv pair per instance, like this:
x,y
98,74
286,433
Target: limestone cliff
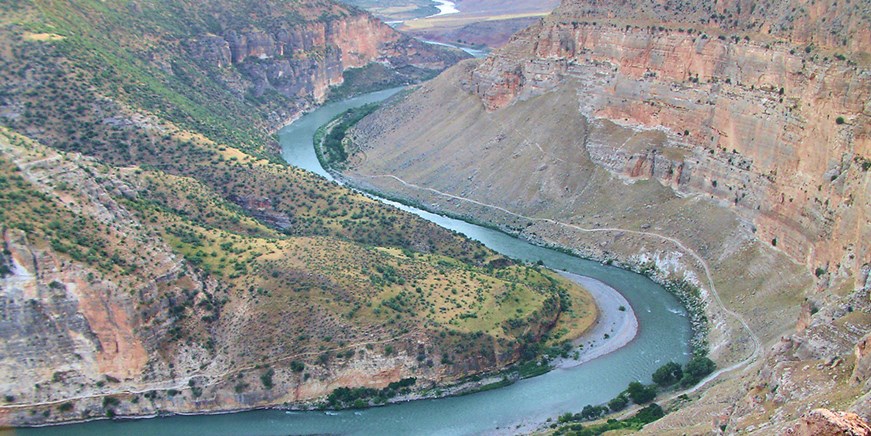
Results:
x,y
723,144
303,60
111,305
779,134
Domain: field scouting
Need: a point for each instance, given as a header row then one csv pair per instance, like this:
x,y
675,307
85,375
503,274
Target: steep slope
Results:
x,y
723,145
157,257
196,62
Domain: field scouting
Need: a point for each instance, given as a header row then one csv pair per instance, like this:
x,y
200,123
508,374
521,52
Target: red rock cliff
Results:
x,y
303,60
761,107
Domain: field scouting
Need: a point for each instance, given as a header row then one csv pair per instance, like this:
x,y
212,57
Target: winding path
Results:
x,y
756,342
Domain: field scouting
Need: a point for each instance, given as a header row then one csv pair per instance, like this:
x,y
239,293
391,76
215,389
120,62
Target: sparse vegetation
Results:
x,y
364,397
665,376
330,139
644,416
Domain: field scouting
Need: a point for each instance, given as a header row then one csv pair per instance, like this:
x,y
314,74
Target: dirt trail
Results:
x,y
756,342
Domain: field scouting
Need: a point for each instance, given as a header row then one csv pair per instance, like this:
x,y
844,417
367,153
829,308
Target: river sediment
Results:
x,y
615,327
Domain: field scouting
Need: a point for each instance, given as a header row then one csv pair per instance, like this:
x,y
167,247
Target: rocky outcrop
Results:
x,y
737,119
824,422
303,60
862,369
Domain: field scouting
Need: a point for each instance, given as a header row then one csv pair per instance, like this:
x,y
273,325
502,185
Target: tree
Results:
x,y
618,403
696,369
592,412
266,378
649,414
641,394
566,417
668,374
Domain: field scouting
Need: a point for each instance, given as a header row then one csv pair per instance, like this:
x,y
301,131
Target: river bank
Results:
x,y
621,326
533,400
615,327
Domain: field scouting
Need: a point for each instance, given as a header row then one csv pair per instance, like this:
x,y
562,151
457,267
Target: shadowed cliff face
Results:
x,y
742,135
303,60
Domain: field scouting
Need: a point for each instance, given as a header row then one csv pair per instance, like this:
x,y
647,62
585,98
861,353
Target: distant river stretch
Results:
x,y
664,335
445,7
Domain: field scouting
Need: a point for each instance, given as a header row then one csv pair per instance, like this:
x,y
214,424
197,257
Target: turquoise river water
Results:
x,y
663,335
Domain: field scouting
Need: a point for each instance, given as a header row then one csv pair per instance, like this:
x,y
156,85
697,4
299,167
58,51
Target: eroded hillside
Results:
x,y
726,145
157,257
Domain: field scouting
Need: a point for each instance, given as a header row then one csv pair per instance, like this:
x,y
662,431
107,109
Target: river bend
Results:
x,y
663,335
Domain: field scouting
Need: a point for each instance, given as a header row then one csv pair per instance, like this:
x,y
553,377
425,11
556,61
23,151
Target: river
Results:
x,y
445,7
475,52
664,335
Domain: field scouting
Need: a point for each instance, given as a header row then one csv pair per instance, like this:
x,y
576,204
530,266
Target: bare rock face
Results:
x,y
628,125
862,369
776,129
824,422
304,59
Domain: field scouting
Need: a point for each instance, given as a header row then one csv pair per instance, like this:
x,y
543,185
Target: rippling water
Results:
x,y
663,335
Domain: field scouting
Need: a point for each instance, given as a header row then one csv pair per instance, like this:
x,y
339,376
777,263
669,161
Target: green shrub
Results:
x,y
110,401
649,414
591,412
266,378
618,403
696,369
668,374
640,394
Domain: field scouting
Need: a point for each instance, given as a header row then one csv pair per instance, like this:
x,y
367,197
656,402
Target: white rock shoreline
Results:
x,y
621,326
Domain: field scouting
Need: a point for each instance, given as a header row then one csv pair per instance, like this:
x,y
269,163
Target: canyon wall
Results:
x,y
780,135
148,330
159,257
726,145
303,61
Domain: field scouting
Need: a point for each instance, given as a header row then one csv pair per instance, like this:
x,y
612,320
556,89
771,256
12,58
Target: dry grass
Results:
x,y
42,37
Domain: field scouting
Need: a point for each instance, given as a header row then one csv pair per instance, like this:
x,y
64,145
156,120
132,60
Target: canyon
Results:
x,y
726,146
305,56
159,257
304,61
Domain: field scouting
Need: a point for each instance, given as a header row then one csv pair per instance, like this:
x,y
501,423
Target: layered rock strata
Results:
x,y
725,145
